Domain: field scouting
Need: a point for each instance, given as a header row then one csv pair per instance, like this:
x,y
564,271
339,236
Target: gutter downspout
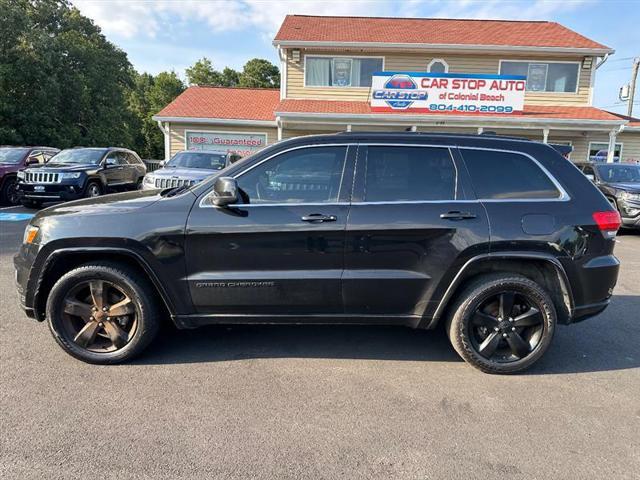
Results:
x,y
167,139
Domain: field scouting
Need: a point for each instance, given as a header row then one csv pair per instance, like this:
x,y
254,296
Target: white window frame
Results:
x,y
579,74
438,60
184,138
607,145
304,71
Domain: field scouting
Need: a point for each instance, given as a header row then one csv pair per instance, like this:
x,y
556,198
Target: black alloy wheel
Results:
x,y
103,312
502,323
10,191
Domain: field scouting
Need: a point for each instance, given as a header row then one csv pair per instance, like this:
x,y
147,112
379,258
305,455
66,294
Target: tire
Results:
x,y
144,321
481,301
32,203
92,190
9,194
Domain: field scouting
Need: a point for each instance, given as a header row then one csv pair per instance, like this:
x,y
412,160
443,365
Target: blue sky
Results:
x,y
171,35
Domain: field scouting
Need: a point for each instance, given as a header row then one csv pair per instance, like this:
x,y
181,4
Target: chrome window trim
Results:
x,y
564,196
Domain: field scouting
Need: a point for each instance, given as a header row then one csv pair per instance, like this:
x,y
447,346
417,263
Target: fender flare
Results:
x,y
451,289
135,256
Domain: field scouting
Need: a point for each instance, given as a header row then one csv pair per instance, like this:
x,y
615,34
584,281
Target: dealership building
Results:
x,y
531,79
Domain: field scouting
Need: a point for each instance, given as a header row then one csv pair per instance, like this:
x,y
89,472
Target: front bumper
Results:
x,y
630,213
49,192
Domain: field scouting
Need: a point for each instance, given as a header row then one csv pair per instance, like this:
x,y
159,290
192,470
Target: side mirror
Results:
x,y
591,177
225,191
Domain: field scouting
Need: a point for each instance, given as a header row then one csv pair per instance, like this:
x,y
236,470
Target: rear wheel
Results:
x,y
502,323
9,194
103,313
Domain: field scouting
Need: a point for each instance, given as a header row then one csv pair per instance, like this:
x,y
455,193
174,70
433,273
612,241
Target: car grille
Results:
x,y
172,182
41,177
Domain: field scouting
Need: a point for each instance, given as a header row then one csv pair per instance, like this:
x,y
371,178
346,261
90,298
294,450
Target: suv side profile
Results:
x,y
14,159
499,238
80,172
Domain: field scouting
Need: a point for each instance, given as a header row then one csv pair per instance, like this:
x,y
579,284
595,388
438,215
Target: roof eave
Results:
x,y
228,121
444,47
573,123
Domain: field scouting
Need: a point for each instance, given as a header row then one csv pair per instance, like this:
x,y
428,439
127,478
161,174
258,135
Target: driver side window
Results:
x,y
306,175
113,159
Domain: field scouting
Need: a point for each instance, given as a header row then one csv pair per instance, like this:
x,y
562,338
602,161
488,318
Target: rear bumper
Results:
x,y
593,286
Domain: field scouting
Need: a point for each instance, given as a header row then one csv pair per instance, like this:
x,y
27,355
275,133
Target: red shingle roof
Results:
x,y
224,102
360,108
431,31
633,121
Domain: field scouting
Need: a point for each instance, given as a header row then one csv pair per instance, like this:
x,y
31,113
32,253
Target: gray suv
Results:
x,y
188,168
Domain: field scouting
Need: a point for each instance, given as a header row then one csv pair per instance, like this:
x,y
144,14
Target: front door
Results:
x,y
114,169
410,221
280,252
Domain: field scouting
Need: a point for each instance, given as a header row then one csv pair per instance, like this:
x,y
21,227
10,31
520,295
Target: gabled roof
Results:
x,y
229,103
474,34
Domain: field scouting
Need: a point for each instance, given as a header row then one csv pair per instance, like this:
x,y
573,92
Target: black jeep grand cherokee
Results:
x,y
500,238
80,172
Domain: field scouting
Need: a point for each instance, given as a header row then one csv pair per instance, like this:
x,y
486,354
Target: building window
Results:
x,y
598,152
544,76
438,65
340,71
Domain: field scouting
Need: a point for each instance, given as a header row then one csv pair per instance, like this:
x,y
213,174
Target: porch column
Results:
x,y
480,130
545,135
279,123
612,145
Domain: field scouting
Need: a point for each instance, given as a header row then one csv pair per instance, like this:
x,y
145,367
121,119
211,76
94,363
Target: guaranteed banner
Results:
x,y
242,143
447,92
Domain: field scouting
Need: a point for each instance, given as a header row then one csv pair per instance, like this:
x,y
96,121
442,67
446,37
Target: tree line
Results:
x,y
63,84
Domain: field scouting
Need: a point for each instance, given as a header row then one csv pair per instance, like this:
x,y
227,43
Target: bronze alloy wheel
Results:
x,y
99,316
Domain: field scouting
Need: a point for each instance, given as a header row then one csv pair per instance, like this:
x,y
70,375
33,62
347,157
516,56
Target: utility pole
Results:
x,y
632,87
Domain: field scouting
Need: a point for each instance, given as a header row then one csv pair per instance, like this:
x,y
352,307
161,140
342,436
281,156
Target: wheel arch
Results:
x,y
97,178
66,259
543,269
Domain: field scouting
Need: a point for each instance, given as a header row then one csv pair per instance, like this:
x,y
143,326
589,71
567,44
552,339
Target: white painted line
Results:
x,y
9,208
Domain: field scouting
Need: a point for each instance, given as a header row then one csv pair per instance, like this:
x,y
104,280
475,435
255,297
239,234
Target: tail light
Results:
x,y
608,222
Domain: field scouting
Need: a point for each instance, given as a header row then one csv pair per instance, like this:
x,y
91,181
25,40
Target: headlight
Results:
x,y
148,179
30,234
20,175
630,196
70,175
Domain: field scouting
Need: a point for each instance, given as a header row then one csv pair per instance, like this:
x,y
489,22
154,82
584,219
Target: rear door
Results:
x,y
410,222
280,252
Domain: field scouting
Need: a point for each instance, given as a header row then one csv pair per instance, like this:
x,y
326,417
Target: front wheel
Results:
x,y
103,313
9,194
502,323
93,190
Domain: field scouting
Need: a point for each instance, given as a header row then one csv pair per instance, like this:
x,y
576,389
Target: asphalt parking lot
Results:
x,y
320,402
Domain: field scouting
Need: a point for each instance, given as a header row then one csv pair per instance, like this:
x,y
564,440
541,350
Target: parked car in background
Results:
x,y
188,168
500,239
620,183
13,159
80,172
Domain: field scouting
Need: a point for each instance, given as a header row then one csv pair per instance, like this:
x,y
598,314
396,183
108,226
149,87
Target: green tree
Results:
x,y
203,73
61,82
260,73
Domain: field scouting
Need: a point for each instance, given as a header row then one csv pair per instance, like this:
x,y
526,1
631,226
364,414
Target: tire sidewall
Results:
x,y
460,333
5,196
95,184
146,322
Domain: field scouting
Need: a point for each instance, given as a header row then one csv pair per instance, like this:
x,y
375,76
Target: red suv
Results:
x,y
13,159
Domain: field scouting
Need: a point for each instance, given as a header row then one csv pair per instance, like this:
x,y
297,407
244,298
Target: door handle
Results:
x,y
456,215
318,218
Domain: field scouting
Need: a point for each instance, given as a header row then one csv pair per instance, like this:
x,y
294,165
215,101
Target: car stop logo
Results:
x,y
400,92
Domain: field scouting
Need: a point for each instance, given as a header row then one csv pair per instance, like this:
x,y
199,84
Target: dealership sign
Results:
x,y
447,92
242,143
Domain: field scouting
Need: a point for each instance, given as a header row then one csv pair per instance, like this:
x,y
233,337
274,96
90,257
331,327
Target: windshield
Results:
x,y
619,173
12,155
209,161
82,156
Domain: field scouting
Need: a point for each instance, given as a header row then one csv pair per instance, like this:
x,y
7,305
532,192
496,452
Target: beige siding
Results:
x,y
630,145
178,129
417,62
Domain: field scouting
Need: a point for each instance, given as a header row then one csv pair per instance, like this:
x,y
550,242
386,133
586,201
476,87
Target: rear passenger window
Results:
x,y
506,175
409,174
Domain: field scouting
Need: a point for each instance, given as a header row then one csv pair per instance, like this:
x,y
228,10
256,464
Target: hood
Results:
x,y
181,173
67,167
116,203
629,187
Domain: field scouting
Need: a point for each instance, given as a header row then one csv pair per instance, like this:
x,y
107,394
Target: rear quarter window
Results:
x,y
507,175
